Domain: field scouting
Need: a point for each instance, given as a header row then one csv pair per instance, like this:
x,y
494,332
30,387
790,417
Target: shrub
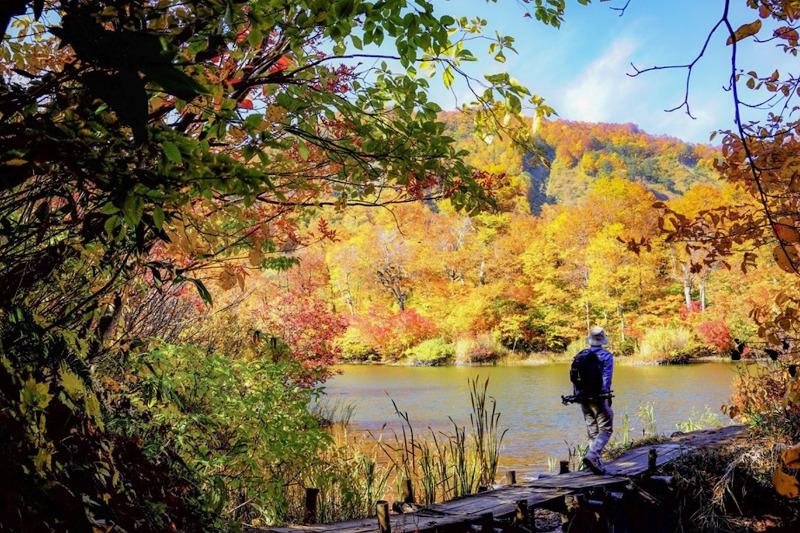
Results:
x,y
481,348
626,347
390,335
574,347
716,334
432,352
660,344
353,348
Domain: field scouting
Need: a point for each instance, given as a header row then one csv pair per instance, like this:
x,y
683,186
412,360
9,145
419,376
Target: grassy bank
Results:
x,y
663,345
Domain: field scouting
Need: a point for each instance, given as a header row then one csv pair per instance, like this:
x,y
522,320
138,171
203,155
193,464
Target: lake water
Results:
x,y
529,400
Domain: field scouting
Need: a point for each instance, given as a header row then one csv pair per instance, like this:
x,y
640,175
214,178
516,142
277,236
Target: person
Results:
x,y
596,409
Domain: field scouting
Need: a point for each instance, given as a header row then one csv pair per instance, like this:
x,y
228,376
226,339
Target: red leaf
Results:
x,y
786,32
246,104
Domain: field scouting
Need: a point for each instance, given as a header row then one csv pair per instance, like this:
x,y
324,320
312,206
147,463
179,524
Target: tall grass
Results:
x,y
332,412
660,344
350,482
703,420
446,465
353,474
647,417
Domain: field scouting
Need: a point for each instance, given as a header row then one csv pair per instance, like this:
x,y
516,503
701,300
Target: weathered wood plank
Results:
x,y
503,501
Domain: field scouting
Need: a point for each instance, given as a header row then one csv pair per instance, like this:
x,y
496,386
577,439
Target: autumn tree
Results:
x,y
147,142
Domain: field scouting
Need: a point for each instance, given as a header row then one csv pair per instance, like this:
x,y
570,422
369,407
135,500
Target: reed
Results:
x,y
646,413
698,421
575,454
350,481
332,412
353,474
488,438
447,465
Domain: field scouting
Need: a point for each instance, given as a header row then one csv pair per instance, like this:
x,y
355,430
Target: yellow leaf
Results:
x,y
72,384
34,395
15,162
791,457
787,257
784,228
43,460
93,409
745,30
256,257
226,279
785,485
275,113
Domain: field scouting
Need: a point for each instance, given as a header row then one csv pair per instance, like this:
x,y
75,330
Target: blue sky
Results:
x,y
582,68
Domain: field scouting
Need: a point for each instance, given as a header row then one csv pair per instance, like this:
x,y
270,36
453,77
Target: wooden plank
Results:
x,y
501,502
635,462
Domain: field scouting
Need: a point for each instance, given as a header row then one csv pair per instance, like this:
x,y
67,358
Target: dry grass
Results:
x,y
730,489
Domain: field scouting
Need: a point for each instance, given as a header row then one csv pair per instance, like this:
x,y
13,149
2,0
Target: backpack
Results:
x,y
586,373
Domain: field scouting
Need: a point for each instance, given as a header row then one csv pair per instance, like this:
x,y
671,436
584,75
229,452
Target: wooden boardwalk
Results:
x,y
547,492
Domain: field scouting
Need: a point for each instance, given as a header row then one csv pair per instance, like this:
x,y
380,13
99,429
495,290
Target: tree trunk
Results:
x,y
702,296
687,294
588,322
621,322
687,286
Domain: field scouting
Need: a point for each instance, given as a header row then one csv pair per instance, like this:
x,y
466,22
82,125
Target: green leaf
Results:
x,y
302,150
174,81
109,209
110,225
172,152
158,217
204,294
133,209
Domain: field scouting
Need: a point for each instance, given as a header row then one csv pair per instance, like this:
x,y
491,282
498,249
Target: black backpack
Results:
x,y
586,373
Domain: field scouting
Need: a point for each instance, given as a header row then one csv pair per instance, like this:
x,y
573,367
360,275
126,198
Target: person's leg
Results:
x,y
604,418
591,459
590,417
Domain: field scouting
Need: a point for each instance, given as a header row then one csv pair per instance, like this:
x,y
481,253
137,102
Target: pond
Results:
x,y
529,402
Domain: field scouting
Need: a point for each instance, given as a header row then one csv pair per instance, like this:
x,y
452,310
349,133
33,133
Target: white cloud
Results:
x,y
710,114
603,92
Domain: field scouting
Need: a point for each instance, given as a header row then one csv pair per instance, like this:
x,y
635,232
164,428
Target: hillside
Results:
x,y
582,153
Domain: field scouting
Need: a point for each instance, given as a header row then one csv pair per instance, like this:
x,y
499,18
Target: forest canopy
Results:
x,y
150,147
167,166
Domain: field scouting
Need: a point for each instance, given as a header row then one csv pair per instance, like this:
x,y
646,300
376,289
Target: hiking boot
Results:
x,y
595,465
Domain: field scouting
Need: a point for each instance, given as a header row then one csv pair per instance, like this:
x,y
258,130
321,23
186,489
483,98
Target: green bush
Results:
x,y
354,349
574,347
432,352
237,426
626,347
63,468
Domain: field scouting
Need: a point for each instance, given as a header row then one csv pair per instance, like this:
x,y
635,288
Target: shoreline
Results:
x,y
539,360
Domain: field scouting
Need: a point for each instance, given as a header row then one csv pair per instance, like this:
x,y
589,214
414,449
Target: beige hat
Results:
x,y
597,337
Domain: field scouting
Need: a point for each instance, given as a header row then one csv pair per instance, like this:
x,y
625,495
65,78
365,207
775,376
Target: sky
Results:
x,y
583,69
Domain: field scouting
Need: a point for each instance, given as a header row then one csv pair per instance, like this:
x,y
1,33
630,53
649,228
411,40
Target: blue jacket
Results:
x,y
607,365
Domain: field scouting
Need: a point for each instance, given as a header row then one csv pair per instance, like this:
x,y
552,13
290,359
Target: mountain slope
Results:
x,y
581,153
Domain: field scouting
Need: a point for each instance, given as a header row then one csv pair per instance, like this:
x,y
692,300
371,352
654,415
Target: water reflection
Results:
x,y
528,398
